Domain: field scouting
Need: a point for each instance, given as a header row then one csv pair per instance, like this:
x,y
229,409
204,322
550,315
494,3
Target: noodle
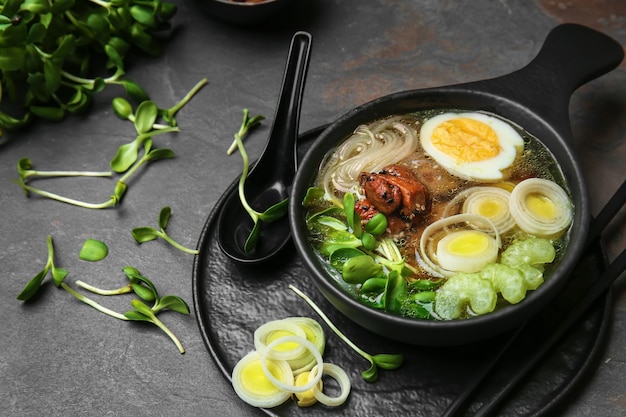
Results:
x,y
369,149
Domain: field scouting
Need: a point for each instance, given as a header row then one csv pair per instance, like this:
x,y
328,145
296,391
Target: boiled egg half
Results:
x,y
473,146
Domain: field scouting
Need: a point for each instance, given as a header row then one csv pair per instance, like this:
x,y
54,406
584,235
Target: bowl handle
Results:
x,y
571,56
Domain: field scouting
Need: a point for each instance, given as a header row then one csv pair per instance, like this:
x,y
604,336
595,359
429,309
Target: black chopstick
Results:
x,y
610,209
614,270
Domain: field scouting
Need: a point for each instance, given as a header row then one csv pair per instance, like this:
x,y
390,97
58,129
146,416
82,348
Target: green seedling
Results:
x,y
146,233
271,214
382,360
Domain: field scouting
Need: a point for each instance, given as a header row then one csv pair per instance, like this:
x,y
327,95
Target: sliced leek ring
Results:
x,y
276,329
290,387
252,386
466,251
339,375
541,207
491,202
435,245
307,398
314,334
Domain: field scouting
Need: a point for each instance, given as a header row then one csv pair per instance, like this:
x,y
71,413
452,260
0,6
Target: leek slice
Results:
x,y
307,398
339,375
252,385
314,334
283,385
275,329
447,261
489,202
541,207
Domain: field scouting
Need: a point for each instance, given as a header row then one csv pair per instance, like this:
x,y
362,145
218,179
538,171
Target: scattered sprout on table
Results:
x,y
146,233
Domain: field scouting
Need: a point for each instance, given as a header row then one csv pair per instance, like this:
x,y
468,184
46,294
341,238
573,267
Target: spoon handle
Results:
x,y
280,150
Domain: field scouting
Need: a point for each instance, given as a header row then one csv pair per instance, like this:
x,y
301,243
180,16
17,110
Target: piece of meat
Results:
x,y
382,194
365,210
415,196
396,189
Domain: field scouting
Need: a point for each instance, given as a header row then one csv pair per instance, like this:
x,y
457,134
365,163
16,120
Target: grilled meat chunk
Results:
x,y
395,188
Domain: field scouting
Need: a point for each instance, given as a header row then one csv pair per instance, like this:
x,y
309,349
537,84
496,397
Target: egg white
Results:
x,y
484,170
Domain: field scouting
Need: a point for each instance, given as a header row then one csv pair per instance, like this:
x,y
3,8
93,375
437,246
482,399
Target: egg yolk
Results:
x,y
254,379
468,244
541,206
466,140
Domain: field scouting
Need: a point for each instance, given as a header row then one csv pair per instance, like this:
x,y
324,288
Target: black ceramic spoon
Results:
x,y
269,180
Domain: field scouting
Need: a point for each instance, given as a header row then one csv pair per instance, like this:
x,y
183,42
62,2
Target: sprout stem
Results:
x,y
93,304
123,290
177,245
67,200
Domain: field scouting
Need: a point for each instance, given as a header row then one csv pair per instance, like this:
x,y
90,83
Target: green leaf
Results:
x,y
137,316
36,33
388,361
52,73
174,303
35,6
147,283
143,15
144,234
66,47
143,292
396,291
93,250
377,224
125,156
33,286
275,212
166,10
58,275
135,91
164,217
114,56
142,308
122,108
53,114
312,194
160,153
253,238
371,374
145,116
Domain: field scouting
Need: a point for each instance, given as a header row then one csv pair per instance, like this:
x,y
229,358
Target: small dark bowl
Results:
x,y
535,98
242,13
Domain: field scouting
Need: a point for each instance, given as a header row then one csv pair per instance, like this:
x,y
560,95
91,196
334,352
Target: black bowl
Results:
x,y
242,13
535,98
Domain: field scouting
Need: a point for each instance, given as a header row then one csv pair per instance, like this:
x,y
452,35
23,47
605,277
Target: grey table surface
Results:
x,y
59,357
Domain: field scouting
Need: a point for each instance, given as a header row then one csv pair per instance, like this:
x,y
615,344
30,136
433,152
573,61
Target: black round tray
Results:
x,y
232,300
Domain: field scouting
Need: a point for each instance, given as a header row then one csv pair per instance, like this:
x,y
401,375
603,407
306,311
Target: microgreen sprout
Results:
x,y
93,250
146,233
271,214
138,284
43,42
120,188
126,160
146,291
382,360
58,275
